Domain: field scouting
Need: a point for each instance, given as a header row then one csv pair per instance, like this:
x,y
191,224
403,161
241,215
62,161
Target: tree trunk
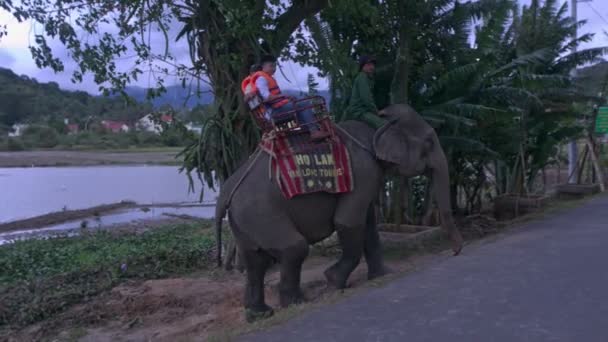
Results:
x,y
400,82
224,54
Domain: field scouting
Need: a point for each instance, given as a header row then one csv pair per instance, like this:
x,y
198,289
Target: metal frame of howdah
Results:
x,y
601,121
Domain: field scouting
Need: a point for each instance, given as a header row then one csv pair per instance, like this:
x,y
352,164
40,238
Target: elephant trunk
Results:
x,y
441,190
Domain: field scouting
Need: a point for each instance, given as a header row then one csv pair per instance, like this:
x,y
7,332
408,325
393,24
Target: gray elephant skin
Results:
x,y
269,228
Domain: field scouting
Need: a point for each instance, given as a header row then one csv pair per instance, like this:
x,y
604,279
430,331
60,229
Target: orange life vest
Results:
x,y
273,87
247,82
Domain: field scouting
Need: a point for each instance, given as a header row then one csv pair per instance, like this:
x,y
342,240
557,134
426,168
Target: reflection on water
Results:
x,y
71,228
28,192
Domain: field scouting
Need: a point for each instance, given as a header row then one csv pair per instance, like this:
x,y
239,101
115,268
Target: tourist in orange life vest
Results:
x,y
247,85
270,92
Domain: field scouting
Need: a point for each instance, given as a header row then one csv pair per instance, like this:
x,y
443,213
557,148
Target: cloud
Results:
x,y
6,59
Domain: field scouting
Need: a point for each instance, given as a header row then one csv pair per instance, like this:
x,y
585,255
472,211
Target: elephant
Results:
x,y
269,228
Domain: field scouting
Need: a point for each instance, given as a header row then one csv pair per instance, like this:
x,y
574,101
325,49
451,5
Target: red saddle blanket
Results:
x,y
301,167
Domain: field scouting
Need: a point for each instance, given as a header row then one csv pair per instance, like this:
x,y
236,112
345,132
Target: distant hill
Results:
x,y
179,97
176,96
23,99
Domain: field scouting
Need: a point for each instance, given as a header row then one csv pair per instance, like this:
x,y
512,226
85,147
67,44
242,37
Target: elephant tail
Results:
x,y
220,211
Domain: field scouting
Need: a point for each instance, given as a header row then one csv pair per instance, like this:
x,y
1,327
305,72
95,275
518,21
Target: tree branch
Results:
x,y
289,21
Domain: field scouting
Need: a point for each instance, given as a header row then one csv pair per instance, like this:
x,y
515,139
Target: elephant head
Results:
x,y
405,142
410,145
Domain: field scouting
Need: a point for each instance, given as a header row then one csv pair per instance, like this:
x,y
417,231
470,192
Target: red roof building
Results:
x,y
166,118
72,128
114,126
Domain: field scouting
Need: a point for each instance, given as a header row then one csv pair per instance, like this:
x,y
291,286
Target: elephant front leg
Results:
x,y
257,263
351,241
373,248
291,270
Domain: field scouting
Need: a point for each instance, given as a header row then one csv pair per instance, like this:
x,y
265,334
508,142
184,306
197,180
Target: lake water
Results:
x,y
28,192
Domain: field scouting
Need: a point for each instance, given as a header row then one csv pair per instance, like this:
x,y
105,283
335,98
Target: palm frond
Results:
x,y
512,96
538,57
443,116
587,56
458,75
466,145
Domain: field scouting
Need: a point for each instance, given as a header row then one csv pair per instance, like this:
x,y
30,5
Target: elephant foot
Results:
x,y
252,315
457,242
378,272
335,278
291,298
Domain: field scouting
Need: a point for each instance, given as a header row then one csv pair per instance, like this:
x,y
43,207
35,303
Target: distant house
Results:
x,y
166,118
17,130
148,124
114,126
194,128
72,128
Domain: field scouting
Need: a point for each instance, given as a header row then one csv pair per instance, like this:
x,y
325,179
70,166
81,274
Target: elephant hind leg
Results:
x,y
351,241
291,271
257,263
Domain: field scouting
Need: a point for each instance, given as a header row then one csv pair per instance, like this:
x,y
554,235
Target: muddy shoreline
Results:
x,y
52,158
66,216
63,216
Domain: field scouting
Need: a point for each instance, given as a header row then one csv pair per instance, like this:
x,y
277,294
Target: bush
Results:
x,y
15,144
171,138
40,136
149,138
87,139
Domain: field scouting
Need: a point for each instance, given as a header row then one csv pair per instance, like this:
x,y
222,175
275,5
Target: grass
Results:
x,y
144,150
39,278
132,149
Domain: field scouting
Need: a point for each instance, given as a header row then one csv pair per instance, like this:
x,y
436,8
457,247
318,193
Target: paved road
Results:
x,y
545,282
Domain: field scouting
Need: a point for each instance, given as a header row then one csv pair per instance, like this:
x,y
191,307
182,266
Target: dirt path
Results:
x,y
196,308
87,158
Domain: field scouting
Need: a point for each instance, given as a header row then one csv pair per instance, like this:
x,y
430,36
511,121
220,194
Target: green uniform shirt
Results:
x,y
361,105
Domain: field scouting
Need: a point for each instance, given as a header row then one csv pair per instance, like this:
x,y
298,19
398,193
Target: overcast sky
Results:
x,y
14,53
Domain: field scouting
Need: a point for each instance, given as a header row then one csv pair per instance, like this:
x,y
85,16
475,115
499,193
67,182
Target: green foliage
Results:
x,y
39,278
174,136
92,140
13,144
505,99
40,136
215,155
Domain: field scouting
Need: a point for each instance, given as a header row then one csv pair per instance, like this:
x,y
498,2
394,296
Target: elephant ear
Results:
x,y
390,144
